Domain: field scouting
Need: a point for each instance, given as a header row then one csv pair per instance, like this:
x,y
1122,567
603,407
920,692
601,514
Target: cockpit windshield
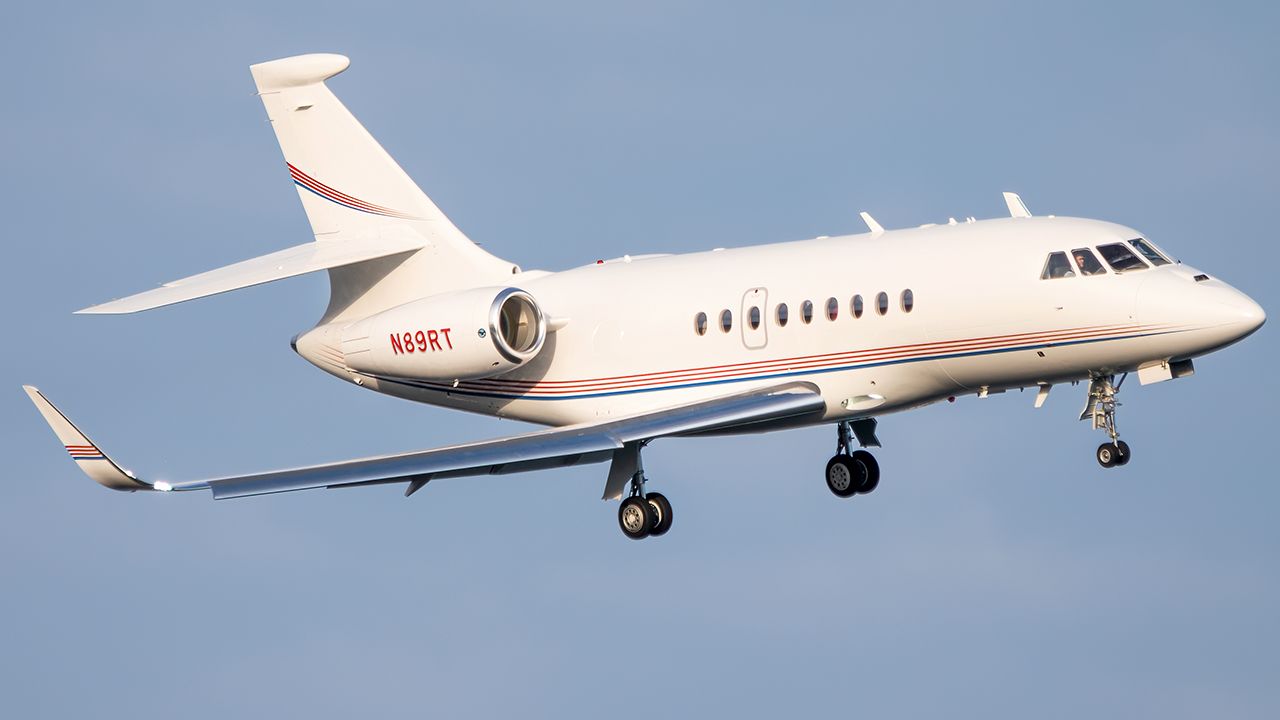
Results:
x,y
1086,262
1148,251
1120,258
1057,266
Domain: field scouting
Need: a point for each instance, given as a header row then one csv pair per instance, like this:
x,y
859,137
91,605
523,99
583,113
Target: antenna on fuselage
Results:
x,y
875,227
1017,208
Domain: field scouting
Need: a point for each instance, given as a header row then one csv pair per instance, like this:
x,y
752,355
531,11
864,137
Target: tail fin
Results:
x,y
382,240
353,190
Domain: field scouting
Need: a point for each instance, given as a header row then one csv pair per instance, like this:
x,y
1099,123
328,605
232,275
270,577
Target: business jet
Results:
x,y
618,353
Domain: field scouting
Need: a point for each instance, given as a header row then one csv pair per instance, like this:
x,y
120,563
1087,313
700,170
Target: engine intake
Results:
x,y
517,325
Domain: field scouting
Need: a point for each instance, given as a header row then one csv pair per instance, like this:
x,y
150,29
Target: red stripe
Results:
x,y
338,195
316,184
865,356
330,194
811,360
948,344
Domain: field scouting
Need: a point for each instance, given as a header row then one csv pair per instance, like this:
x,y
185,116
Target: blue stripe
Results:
x,y
339,202
766,376
78,458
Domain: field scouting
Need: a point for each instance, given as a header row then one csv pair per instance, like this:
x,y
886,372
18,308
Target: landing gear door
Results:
x,y
755,334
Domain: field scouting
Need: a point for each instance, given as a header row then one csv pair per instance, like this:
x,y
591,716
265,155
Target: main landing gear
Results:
x,y
1101,409
853,472
643,514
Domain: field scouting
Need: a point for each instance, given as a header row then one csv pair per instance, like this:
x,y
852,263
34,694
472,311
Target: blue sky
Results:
x,y
996,572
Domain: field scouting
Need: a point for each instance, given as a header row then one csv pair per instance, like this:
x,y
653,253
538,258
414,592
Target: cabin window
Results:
x,y
1148,251
753,317
1086,262
908,300
856,306
1058,266
882,303
1120,259
726,320
780,315
833,308
700,323
806,312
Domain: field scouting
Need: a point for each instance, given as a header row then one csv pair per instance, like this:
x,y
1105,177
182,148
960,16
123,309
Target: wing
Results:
x,y
558,447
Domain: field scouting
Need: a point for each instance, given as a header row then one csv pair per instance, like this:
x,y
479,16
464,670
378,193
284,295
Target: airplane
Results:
x,y
618,353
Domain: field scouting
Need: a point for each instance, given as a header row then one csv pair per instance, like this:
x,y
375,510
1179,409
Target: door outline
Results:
x,y
759,337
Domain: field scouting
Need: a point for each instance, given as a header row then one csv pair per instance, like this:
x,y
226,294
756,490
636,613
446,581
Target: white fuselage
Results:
x,y
625,339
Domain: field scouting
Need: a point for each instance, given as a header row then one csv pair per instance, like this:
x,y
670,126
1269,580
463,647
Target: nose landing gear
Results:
x,y
1100,407
853,472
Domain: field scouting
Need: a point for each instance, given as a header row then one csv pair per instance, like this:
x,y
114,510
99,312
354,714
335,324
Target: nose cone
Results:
x,y
1244,315
1204,315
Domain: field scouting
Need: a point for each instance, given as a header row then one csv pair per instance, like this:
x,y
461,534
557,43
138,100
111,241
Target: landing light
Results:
x,y
162,486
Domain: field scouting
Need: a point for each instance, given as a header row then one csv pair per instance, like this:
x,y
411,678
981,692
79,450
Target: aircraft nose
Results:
x,y
1244,314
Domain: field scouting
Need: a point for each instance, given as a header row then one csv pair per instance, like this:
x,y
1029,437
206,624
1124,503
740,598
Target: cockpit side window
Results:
x,y
1086,262
1148,251
1057,266
1120,259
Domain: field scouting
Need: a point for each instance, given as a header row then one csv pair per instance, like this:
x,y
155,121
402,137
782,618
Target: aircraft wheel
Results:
x,y
1123,457
844,476
660,509
871,469
635,518
1108,455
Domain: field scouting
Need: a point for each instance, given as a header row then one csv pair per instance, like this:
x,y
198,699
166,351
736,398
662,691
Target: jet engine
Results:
x,y
463,335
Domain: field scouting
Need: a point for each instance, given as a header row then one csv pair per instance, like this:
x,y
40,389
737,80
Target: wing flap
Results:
x,y
518,454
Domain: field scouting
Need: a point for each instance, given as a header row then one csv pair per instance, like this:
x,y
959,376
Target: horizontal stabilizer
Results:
x,y
297,260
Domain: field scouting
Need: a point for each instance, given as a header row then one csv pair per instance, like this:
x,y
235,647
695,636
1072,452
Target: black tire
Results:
x,y
1124,456
1107,455
872,468
661,509
845,476
635,518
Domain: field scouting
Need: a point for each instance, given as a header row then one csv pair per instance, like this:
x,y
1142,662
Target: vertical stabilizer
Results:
x,y
352,190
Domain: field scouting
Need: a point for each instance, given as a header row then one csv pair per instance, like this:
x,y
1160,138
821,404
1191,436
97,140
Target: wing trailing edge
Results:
x,y
540,450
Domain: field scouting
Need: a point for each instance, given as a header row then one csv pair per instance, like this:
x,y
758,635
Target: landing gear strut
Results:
x,y
1100,407
852,472
642,514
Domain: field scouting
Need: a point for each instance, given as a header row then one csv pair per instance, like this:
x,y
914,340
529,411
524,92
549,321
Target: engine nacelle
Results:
x,y
457,336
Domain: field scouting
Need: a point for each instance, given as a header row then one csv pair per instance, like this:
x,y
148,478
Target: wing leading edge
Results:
x,y
543,449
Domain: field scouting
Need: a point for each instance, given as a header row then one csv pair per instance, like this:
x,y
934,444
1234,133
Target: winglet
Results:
x,y
871,222
1017,208
91,460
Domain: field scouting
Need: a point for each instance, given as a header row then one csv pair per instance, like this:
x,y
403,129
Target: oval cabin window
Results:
x,y
753,317
882,303
856,306
726,320
908,300
833,308
806,312
780,315
700,323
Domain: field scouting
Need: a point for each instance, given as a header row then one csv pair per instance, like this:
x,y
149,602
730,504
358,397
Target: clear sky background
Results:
x,y
998,572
